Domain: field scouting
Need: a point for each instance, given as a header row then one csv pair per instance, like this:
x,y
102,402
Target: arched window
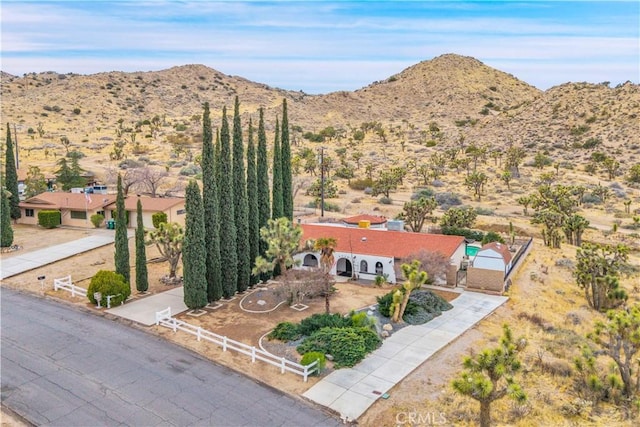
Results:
x,y
364,267
378,268
310,260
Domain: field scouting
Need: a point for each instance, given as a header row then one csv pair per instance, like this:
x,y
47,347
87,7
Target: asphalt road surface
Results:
x,y
64,367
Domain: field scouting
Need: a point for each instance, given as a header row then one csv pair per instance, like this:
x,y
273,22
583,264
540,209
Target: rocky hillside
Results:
x,y
444,99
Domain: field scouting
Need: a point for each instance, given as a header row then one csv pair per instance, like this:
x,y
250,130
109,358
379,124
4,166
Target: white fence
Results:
x,y
164,318
65,284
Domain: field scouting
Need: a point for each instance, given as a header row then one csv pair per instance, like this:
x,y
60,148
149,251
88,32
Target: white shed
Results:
x,y
494,256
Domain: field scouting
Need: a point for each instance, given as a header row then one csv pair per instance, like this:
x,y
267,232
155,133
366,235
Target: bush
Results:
x,y
465,232
285,331
492,236
360,184
385,301
96,220
448,199
76,111
328,206
318,321
159,218
49,219
190,170
427,306
312,356
423,193
108,283
348,346
385,200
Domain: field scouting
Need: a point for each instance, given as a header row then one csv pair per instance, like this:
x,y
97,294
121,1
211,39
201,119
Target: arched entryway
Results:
x,y
344,268
310,260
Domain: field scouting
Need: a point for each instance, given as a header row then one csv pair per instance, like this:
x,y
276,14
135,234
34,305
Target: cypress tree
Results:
x,y
228,252
194,256
11,177
216,164
122,241
210,204
142,277
277,209
285,149
241,205
252,200
6,232
264,204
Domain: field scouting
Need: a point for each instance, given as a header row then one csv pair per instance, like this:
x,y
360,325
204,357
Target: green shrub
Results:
x,y
158,218
385,200
431,143
385,301
492,236
465,232
96,220
312,356
360,320
49,219
426,193
360,184
108,283
348,346
76,111
318,321
285,331
427,305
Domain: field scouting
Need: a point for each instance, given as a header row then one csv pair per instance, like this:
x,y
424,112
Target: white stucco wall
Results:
x,y
355,259
458,255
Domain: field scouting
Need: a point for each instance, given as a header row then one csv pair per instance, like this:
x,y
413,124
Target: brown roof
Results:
x,y
500,248
396,244
373,219
62,200
150,204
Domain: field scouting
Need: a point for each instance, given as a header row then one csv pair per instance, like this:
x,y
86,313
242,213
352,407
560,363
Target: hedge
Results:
x,y
49,219
108,283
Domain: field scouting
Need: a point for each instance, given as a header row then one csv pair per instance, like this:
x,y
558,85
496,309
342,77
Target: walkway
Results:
x,y
26,261
352,391
143,310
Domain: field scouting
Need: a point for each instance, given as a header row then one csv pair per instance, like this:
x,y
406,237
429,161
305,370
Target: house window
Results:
x,y
78,215
378,268
29,212
364,267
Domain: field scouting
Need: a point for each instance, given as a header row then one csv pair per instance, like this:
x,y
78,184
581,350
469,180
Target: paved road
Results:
x,y
63,367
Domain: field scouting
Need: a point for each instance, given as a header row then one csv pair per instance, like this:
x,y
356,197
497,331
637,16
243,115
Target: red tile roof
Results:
x,y
396,244
500,248
373,219
62,200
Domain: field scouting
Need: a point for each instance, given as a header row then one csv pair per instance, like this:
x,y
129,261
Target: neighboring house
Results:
x,y
489,268
173,206
75,209
366,253
365,221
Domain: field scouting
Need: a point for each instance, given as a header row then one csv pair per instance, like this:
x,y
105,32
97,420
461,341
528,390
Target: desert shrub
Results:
x,y
385,200
96,220
130,164
360,184
158,218
49,218
360,320
322,320
330,189
422,193
76,111
285,331
345,172
190,170
492,236
312,356
430,143
328,206
484,211
181,127
591,143
465,232
108,283
592,199
448,199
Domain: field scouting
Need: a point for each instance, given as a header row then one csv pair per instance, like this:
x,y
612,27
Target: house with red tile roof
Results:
x,y
75,208
174,207
365,253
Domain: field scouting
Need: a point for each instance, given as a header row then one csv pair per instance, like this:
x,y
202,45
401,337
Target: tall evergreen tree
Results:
x,y
285,149
277,209
241,204
194,256
216,162
228,251
210,203
252,200
11,177
142,276
6,232
122,241
264,203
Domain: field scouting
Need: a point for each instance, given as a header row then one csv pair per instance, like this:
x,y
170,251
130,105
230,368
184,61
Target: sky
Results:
x,y
324,46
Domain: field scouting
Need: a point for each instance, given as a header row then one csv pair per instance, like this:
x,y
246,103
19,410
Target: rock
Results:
x,y
384,334
387,327
369,313
328,357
